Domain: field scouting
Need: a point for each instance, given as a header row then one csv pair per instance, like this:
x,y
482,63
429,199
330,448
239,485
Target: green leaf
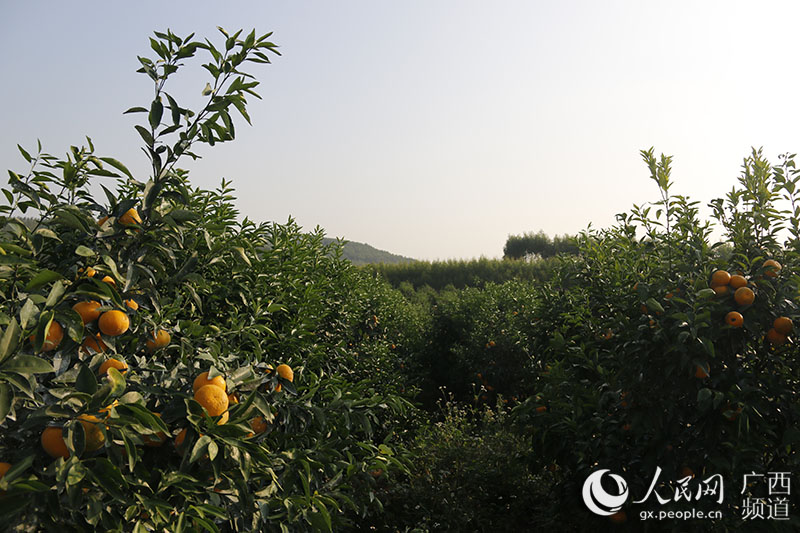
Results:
x,y
27,364
6,400
42,278
239,250
84,251
86,380
135,110
116,164
10,339
653,305
156,112
116,380
200,448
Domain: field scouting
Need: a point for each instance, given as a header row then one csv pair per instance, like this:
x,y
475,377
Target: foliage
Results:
x,y
237,298
462,273
540,245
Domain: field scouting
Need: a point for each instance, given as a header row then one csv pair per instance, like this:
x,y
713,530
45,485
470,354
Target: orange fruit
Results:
x,y
213,398
721,289
158,440
109,280
94,435
112,363
223,419
783,325
735,319
55,334
720,277
132,304
95,343
541,409
772,268
131,216
102,220
232,398
699,373
744,296
258,425
286,372
53,442
687,472
180,438
113,323
737,281
619,517
202,380
159,340
774,337
90,272
88,310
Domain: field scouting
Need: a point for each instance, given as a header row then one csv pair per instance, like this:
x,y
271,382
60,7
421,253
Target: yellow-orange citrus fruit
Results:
x,y
744,296
232,398
223,419
53,442
619,517
94,435
95,343
286,372
721,289
102,220
258,425
737,281
112,363
783,325
735,319
90,272
213,398
54,337
699,373
109,280
720,277
157,440
687,472
88,310
775,337
113,323
159,340
772,268
180,438
202,380
132,304
541,409
131,216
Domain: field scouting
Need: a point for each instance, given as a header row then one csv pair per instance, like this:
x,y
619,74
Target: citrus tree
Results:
x,y
660,350
163,365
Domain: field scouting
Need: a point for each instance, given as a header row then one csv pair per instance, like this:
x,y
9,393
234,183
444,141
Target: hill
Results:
x,y
362,254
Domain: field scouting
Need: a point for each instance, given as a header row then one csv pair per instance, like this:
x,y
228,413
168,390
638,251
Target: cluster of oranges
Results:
x,y
723,283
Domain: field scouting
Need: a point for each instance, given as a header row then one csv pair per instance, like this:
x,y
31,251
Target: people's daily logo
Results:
x,y
598,499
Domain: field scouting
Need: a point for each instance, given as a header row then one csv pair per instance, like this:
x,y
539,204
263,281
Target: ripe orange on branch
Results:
x,y
113,323
88,310
159,340
744,296
783,325
53,442
737,281
720,277
772,268
735,319
94,435
202,380
213,398
55,334
112,363
131,216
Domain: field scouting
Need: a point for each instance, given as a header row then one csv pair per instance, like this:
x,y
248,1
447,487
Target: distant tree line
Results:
x,y
530,245
461,273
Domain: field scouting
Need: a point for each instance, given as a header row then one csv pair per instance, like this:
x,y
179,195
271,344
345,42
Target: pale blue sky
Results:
x,y
431,129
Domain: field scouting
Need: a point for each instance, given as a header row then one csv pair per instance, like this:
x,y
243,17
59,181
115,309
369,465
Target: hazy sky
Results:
x,y
432,129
